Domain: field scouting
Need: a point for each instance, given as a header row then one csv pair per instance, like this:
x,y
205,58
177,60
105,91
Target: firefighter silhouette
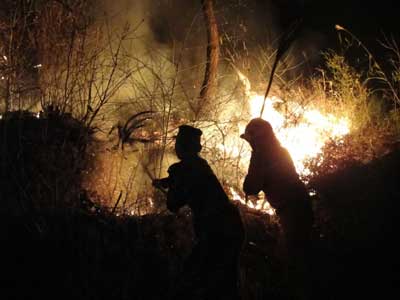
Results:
x,y
272,171
211,271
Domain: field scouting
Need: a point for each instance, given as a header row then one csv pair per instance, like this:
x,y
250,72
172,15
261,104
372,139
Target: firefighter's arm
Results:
x,y
253,182
175,200
177,192
166,182
162,183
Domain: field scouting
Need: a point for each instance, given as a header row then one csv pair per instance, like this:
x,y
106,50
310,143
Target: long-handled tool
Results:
x,y
284,44
148,173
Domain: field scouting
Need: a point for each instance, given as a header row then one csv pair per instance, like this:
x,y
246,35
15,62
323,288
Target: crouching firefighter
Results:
x,y
211,271
272,171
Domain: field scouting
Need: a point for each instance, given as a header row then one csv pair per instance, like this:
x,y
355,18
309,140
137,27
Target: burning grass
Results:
x,y
316,119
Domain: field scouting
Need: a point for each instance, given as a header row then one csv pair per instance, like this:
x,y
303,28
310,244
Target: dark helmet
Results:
x,y
259,131
189,138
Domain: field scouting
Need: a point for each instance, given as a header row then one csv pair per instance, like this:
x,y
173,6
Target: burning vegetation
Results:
x,y
88,69
89,110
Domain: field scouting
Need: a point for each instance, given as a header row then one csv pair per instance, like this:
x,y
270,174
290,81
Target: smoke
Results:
x,y
175,29
170,39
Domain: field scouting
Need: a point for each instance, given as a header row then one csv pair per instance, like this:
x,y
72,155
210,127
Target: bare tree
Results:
x,y
17,53
212,55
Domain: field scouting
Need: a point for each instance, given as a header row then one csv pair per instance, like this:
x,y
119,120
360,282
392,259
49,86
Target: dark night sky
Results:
x,y
366,19
364,15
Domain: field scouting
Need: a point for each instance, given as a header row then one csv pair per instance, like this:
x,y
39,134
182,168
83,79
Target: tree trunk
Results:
x,y
212,56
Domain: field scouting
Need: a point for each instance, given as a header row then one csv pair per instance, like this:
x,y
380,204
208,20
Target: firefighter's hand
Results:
x,y
156,183
160,183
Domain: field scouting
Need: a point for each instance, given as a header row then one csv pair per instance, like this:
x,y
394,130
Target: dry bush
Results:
x,y
369,100
44,158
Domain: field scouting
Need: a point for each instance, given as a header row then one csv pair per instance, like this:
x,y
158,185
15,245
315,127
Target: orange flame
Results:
x,y
303,140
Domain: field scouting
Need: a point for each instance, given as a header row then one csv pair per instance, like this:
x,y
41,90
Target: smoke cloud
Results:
x,y
175,30
176,27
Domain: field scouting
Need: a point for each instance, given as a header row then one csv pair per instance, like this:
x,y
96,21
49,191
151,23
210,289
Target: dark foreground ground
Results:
x,y
72,254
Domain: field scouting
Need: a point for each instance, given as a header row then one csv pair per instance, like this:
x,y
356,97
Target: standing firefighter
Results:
x,y
272,171
211,271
